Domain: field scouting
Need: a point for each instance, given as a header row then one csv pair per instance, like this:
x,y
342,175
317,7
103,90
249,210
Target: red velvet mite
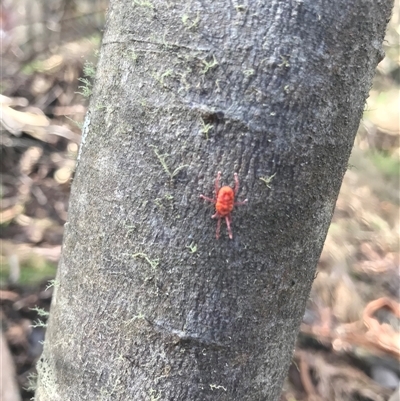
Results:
x,y
224,203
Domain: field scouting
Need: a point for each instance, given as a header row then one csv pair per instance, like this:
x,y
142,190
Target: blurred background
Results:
x,y
349,343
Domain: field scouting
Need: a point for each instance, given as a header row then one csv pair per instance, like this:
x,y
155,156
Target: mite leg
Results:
x,y
215,216
228,224
218,226
208,199
217,183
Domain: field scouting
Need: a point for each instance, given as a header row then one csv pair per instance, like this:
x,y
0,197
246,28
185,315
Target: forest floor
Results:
x,y
348,347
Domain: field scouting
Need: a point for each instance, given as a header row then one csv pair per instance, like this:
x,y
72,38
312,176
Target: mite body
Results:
x,y
224,203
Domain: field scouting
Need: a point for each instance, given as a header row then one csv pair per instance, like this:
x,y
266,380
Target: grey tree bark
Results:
x,y
148,305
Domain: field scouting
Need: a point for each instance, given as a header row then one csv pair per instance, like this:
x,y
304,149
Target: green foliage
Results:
x,y
33,67
161,158
192,247
77,123
51,283
387,165
154,396
38,323
40,311
218,387
143,3
86,88
32,379
240,7
249,72
47,374
285,62
160,77
190,23
32,271
208,65
139,316
205,128
133,55
89,70
267,180
161,202
152,262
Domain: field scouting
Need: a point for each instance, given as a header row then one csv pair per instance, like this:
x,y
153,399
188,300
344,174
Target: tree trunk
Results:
x,y
148,305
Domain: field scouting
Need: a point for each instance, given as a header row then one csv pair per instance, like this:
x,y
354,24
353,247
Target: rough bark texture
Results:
x,y
185,89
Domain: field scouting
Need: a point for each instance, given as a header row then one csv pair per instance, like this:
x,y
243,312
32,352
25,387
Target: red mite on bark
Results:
x,y
224,203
